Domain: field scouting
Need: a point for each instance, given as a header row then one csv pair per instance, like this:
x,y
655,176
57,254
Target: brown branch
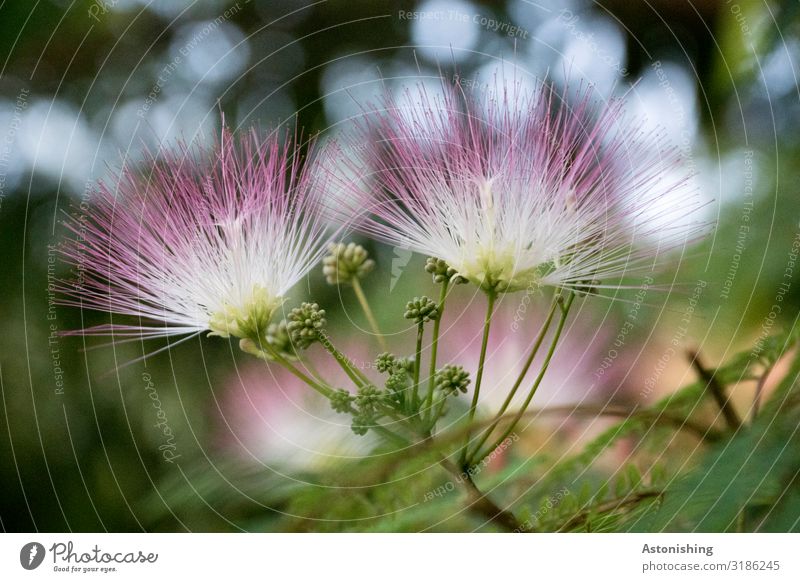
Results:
x,y
762,380
489,509
717,391
481,503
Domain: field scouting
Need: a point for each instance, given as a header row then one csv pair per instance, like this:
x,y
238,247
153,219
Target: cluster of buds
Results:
x,y
442,272
341,401
361,424
452,379
279,339
364,406
421,310
346,262
398,382
368,398
399,371
368,401
387,363
305,325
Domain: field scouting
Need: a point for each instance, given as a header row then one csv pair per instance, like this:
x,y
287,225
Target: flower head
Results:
x,y
202,238
441,271
345,262
305,325
513,188
452,379
421,310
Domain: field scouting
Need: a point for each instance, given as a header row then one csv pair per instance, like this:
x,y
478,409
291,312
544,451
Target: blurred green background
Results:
x,y
84,83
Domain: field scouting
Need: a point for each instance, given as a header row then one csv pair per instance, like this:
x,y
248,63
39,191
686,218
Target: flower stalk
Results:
x,y
534,350
429,416
491,298
373,322
564,308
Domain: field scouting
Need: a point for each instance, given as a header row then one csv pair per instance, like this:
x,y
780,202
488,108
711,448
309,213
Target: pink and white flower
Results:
x,y
201,238
514,187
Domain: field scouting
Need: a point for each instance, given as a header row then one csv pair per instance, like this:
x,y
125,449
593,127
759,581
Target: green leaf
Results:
x,y
744,476
634,476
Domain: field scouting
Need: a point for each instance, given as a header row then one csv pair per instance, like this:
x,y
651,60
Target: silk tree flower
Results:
x,y
201,238
514,188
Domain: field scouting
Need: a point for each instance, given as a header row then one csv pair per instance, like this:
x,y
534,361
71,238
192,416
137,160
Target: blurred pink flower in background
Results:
x,y
265,414
573,376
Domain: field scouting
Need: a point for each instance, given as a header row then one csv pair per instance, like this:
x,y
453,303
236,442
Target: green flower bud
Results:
x,y
421,310
345,263
361,424
397,382
406,364
452,379
368,398
442,272
304,324
341,400
248,346
385,363
279,339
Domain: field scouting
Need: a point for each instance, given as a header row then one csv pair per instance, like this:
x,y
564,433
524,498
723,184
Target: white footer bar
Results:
x,y
401,557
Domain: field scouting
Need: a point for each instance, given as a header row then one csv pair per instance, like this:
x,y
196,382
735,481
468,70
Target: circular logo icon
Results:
x,y
31,555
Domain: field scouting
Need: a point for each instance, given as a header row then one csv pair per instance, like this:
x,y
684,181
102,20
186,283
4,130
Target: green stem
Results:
x,y
417,365
434,349
358,377
373,323
312,369
560,328
319,387
491,296
534,350
439,410
717,391
390,435
327,391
